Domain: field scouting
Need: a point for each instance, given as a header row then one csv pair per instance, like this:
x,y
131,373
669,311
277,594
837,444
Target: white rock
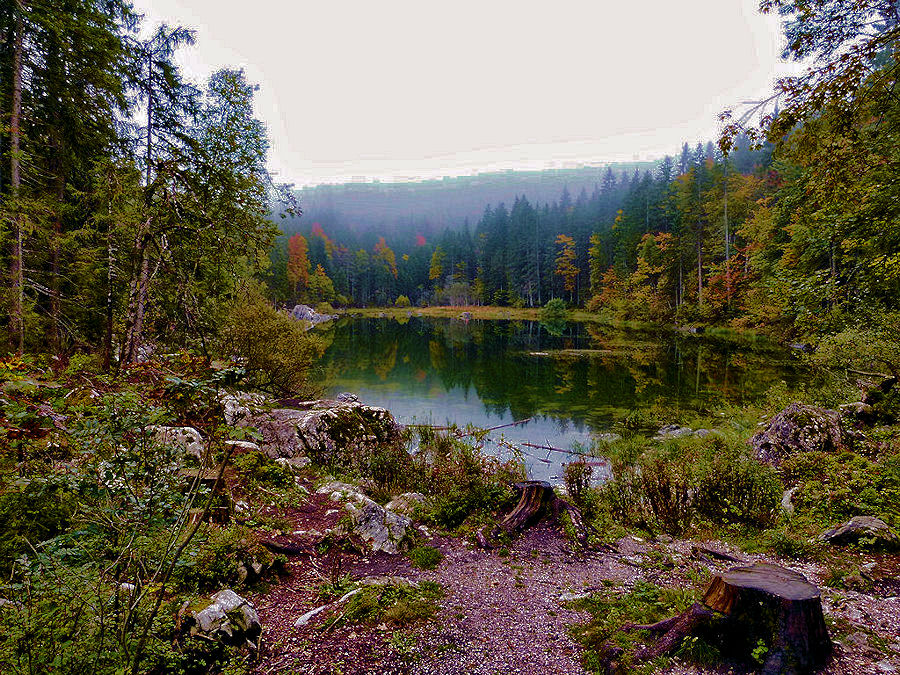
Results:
x,y
379,528
340,491
571,597
187,439
293,464
243,446
241,407
229,618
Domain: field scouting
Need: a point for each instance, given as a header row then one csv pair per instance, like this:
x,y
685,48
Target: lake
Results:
x,y
573,382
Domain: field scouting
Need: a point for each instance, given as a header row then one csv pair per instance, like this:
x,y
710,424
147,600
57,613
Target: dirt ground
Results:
x,y
507,613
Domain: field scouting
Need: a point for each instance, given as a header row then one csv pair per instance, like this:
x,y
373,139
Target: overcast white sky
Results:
x,y
395,89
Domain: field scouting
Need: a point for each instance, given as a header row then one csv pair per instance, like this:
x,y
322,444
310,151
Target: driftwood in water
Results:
x,y
747,607
461,434
547,447
537,499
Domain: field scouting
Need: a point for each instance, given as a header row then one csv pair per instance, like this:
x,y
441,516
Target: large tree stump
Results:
x,y
775,605
747,607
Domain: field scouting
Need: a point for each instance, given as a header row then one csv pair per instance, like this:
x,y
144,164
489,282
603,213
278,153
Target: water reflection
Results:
x,y
574,380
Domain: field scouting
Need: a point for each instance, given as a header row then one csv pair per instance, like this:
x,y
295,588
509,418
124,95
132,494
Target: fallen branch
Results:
x,y
286,549
708,554
499,426
865,373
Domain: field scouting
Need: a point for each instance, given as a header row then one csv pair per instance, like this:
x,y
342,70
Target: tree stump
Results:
x,y
774,605
534,499
537,499
748,607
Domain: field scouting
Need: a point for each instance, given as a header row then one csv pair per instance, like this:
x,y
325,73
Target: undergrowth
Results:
x,y
397,605
609,649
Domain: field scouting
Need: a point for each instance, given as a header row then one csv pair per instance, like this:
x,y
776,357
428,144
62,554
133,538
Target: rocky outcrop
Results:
x,y
307,313
801,428
187,439
376,527
866,531
239,408
229,619
331,433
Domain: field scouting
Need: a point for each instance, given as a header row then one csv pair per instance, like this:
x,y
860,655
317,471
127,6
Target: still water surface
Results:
x,y
573,381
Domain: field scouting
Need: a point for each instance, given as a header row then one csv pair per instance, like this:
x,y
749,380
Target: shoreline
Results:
x,y
496,313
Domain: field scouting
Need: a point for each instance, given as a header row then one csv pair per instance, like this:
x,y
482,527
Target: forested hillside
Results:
x,y
428,207
790,224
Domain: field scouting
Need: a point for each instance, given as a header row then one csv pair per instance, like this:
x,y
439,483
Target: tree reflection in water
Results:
x,y
574,379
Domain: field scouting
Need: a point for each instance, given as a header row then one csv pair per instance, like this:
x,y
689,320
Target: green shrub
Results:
x,y
788,544
554,310
31,513
397,604
254,467
214,560
577,477
459,481
274,349
734,488
834,487
402,301
425,557
668,487
391,468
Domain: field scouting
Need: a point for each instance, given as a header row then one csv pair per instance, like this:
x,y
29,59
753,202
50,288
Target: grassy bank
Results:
x,y
488,312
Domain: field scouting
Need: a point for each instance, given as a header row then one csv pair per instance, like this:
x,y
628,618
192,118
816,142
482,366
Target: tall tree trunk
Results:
x,y
679,299
107,338
699,242
699,271
55,289
137,297
727,246
17,280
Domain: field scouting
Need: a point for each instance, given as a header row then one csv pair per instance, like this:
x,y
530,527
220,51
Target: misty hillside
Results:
x,y
429,207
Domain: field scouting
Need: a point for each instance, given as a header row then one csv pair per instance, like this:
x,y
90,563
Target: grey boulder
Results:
x,y
801,428
186,439
867,531
375,526
229,619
